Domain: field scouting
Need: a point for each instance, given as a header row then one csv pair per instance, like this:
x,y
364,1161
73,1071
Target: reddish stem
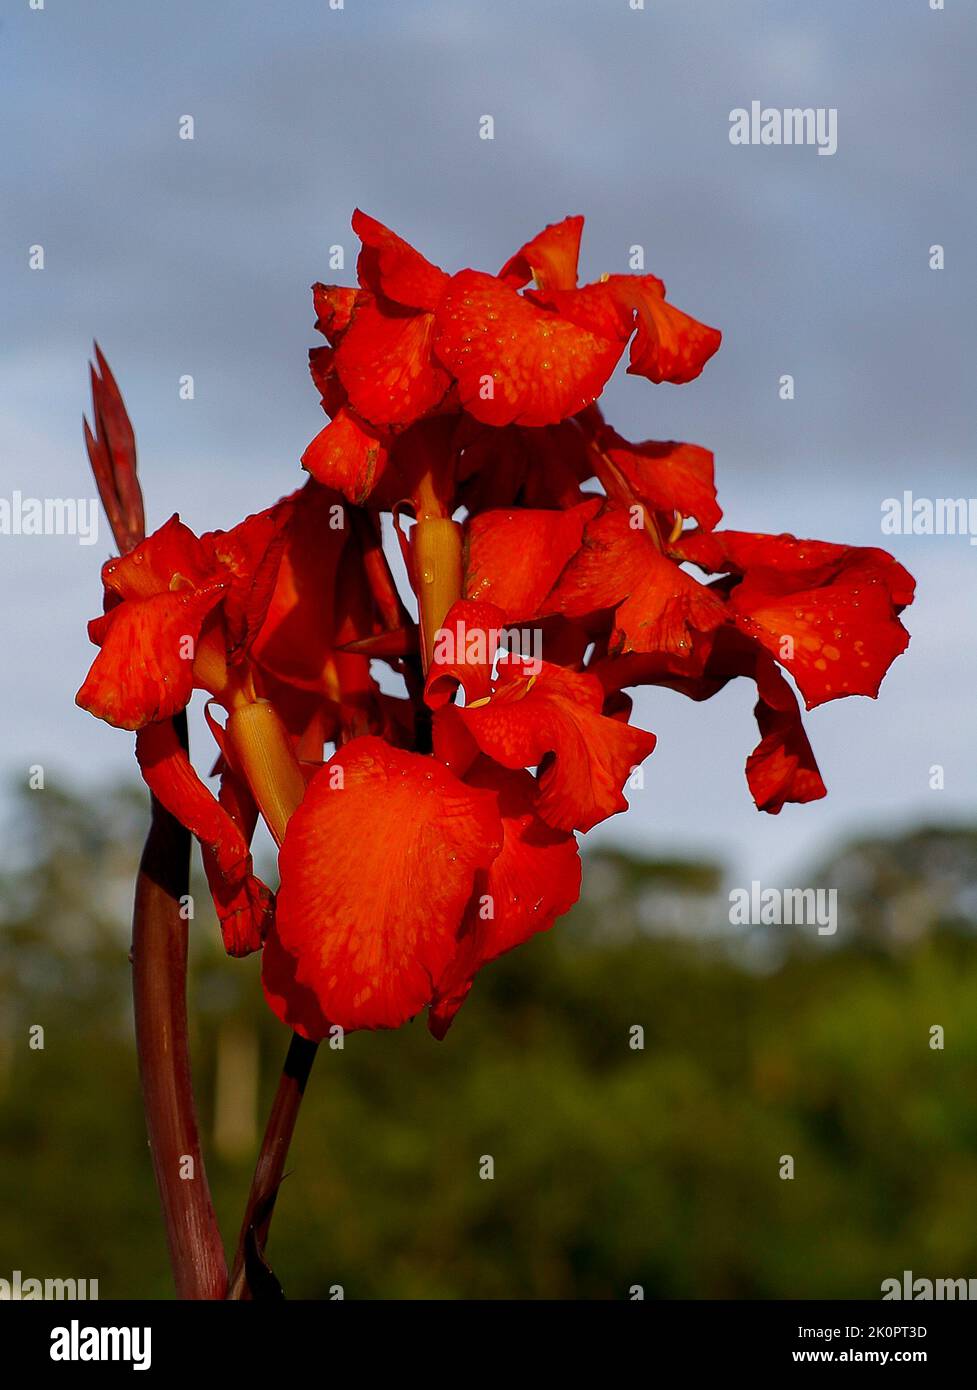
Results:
x,y
270,1168
159,972
159,931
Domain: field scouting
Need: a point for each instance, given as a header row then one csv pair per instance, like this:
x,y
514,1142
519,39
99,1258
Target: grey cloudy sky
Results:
x,y
196,257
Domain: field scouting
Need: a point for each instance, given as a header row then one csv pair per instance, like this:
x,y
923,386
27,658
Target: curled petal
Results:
x,y
244,905
334,306
464,651
377,867
550,258
782,767
144,671
349,455
170,558
544,716
669,344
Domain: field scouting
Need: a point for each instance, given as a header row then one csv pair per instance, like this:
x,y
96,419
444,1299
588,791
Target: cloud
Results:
x,y
197,256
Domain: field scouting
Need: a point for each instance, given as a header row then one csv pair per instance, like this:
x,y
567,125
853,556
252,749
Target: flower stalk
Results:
x,y
159,927
270,1168
159,972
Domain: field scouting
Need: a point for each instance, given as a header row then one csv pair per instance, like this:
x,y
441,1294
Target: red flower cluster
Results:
x,y
441,830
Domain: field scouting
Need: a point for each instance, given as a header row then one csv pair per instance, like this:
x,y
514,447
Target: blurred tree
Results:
x,y
615,1164
900,888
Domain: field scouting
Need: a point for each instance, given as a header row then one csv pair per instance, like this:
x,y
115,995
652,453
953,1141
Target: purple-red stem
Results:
x,y
270,1168
159,973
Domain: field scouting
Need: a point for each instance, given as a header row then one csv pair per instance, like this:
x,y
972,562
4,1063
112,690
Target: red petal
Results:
x,y
513,558
611,562
782,767
826,612
376,873
297,638
391,265
464,650
659,608
171,553
386,365
334,306
538,710
349,456
668,477
789,563
550,258
250,554
669,345
244,905
538,367
669,613
532,882
597,307
322,368
144,671
837,640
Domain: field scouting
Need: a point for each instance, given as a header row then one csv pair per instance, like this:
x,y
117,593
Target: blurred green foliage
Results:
x,y
614,1166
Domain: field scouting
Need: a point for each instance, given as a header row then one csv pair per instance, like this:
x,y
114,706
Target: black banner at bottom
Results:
x,y
293,1338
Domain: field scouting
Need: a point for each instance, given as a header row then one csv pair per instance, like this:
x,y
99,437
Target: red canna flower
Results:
x,y
423,835
414,340
552,569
